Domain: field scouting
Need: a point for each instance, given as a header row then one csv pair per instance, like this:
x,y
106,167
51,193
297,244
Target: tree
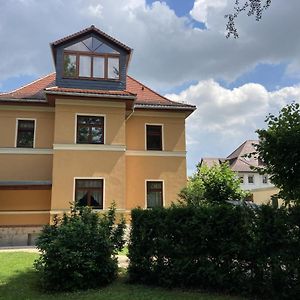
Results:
x,y
279,150
251,7
216,184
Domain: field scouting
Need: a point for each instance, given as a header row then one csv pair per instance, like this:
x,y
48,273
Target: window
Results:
x,y
89,192
241,179
154,137
154,194
90,130
91,58
265,179
250,179
25,133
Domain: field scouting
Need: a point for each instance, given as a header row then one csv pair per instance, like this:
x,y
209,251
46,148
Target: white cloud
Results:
x,y
202,9
225,118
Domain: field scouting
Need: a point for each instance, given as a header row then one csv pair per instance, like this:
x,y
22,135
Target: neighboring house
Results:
x,y
88,132
259,185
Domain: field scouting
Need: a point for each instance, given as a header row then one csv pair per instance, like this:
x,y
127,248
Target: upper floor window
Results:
x,y
90,130
154,194
89,192
241,179
91,59
265,179
251,179
154,137
25,133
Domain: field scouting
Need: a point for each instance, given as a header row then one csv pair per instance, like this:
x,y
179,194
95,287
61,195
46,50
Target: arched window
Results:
x,y
91,59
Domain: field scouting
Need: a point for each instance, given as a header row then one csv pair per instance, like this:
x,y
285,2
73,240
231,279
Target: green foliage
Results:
x,y
279,150
78,251
215,184
218,247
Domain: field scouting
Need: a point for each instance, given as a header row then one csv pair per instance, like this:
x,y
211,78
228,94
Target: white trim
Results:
x,y
25,151
34,132
27,108
103,195
90,147
90,115
162,136
163,186
89,103
27,212
155,153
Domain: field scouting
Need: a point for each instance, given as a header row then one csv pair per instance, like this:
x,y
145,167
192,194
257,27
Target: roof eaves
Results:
x,y
164,106
124,96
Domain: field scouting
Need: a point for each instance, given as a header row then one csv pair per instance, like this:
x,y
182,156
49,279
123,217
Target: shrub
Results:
x,y
220,247
78,251
215,184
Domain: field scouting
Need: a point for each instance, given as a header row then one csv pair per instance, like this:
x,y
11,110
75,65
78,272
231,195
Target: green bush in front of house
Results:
x,y
218,247
78,251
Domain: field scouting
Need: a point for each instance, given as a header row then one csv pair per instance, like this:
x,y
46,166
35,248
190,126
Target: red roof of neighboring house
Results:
x,y
145,97
238,160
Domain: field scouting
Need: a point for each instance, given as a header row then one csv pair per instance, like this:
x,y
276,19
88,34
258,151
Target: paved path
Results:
x,y
122,259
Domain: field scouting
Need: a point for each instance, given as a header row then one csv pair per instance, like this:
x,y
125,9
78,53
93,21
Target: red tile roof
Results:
x,y
145,97
33,90
237,160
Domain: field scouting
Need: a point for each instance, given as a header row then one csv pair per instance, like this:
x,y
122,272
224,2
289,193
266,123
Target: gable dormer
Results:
x,y
91,59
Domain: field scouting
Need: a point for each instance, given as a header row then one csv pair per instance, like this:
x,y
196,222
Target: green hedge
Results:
x,y
220,248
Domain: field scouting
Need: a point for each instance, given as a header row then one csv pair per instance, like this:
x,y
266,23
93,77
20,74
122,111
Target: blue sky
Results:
x,y
180,50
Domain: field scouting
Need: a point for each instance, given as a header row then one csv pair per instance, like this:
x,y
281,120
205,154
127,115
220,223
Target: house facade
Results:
x,y
88,133
259,185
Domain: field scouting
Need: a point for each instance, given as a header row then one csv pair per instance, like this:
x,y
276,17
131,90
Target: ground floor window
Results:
x,y
154,194
89,192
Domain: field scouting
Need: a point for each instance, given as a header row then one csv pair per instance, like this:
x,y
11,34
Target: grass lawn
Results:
x,y
18,281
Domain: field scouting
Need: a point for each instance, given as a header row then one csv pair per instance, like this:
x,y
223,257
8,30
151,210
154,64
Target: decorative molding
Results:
x,y
27,108
156,153
89,147
25,151
24,212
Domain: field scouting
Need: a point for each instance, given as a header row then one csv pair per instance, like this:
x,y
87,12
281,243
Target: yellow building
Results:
x,y
90,133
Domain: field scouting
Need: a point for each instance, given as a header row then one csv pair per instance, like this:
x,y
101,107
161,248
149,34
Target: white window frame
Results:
x,y
16,131
163,187
92,178
162,136
90,115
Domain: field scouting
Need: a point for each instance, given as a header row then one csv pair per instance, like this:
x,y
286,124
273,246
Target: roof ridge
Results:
x,y
240,146
27,84
92,27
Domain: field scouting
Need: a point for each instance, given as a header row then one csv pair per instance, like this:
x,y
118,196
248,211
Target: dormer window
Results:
x,y
91,59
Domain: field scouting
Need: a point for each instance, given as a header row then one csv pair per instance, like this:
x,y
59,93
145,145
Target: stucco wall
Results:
x,y
172,170
25,200
65,119
44,126
263,196
25,167
173,130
